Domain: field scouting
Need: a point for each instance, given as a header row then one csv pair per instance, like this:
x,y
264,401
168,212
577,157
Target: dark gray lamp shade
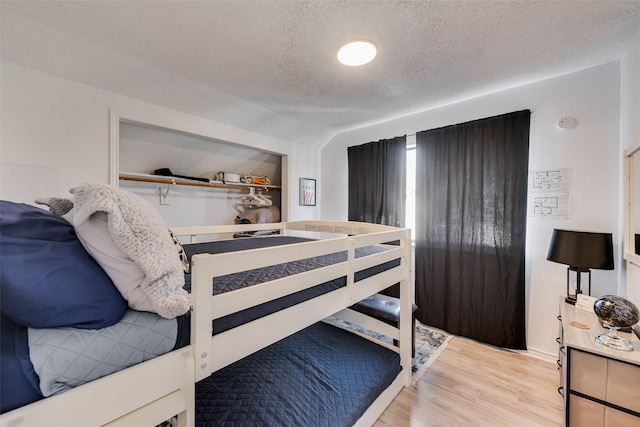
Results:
x,y
582,250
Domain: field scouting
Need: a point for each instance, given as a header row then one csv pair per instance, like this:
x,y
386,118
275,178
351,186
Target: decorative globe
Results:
x,y
616,311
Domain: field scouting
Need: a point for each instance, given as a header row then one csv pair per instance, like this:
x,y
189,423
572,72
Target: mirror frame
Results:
x,y
630,251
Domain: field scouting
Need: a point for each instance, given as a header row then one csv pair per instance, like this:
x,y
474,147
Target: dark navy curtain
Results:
x,y
377,181
471,202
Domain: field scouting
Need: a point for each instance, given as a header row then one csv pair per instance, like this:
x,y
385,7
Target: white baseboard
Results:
x,y
537,354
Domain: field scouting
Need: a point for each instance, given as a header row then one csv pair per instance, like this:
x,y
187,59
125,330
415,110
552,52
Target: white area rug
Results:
x,y
429,344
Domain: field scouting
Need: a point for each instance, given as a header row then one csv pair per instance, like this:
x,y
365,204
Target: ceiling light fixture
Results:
x,y
357,53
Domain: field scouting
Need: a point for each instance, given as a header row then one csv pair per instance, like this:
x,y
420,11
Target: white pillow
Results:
x,y
137,229
125,274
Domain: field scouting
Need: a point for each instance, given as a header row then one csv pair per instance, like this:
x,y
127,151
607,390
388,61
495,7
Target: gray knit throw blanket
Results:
x,y
139,231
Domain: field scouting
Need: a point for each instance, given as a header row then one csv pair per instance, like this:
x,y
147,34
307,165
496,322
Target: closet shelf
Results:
x,y
170,180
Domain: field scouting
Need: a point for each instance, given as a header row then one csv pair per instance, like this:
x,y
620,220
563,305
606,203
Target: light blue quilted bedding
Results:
x,y
65,358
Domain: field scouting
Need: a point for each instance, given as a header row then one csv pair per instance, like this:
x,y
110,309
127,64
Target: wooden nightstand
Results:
x,y
600,385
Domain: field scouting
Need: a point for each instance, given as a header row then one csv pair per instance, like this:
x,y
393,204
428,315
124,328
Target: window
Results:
x,y
410,216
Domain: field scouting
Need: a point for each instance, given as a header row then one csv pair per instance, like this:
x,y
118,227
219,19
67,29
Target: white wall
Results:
x,y
630,135
55,135
591,150
307,165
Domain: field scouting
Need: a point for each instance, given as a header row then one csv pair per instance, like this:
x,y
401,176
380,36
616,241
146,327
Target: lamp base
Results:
x,y
571,299
611,339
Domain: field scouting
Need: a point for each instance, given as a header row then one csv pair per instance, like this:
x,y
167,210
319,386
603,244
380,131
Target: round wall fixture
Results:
x,y
357,53
566,123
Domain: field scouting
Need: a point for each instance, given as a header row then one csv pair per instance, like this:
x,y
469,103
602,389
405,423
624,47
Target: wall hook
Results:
x,y
163,195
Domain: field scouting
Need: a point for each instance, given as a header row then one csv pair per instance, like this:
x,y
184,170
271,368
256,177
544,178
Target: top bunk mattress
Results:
x,y
320,376
244,279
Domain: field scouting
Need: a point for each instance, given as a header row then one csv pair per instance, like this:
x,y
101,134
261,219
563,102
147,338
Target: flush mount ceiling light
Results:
x,y
357,53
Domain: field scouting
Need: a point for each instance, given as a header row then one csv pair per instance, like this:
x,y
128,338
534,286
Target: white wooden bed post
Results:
x,y
201,314
406,309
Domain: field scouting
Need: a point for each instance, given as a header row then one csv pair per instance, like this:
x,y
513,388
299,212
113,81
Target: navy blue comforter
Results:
x,y
248,278
320,376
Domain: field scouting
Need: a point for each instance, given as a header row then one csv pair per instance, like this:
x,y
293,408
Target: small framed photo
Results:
x,y
307,192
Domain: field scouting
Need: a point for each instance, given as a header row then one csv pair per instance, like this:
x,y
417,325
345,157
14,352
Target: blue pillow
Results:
x,y
47,278
18,380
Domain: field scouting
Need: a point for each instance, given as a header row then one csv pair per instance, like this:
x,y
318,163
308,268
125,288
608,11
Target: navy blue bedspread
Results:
x,y
248,278
320,376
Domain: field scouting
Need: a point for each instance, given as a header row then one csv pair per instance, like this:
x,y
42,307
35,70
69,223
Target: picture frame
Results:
x,y
307,191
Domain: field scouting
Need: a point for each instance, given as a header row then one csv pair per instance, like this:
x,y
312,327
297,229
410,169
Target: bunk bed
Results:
x,y
170,384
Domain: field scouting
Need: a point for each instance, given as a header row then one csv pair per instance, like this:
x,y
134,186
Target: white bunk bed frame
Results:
x,y
154,391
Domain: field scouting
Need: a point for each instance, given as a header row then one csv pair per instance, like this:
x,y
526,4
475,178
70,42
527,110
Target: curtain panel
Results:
x,y
377,181
471,203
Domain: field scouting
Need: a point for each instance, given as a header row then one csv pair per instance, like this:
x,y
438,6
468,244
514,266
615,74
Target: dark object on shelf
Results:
x,y
615,313
581,251
167,172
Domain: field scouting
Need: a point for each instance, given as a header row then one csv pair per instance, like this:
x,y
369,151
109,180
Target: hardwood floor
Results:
x,y
471,384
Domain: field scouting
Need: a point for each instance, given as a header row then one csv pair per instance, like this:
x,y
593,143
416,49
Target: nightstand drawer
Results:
x,y
584,412
615,418
588,374
623,385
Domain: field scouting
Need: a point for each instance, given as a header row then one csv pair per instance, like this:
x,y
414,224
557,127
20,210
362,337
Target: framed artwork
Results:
x,y
307,192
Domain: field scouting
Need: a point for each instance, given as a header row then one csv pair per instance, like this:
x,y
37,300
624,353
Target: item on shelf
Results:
x,y
615,312
254,199
259,215
167,172
231,177
247,178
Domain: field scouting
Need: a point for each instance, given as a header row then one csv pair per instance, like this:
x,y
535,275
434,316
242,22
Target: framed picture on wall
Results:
x,y
307,192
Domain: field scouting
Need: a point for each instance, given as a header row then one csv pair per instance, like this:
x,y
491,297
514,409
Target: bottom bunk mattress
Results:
x,y
320,376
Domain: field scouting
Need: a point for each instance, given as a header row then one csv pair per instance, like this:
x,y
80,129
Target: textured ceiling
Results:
x,y
270,66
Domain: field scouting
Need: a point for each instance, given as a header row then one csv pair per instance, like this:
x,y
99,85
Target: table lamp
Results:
x,y
581,251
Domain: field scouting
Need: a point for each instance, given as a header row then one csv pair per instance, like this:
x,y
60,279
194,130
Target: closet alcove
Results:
x,y
139,148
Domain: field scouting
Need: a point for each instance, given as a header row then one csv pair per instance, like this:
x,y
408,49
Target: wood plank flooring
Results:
x,y
471,384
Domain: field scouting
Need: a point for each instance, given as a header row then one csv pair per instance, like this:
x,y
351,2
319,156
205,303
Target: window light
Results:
x,y
357,53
